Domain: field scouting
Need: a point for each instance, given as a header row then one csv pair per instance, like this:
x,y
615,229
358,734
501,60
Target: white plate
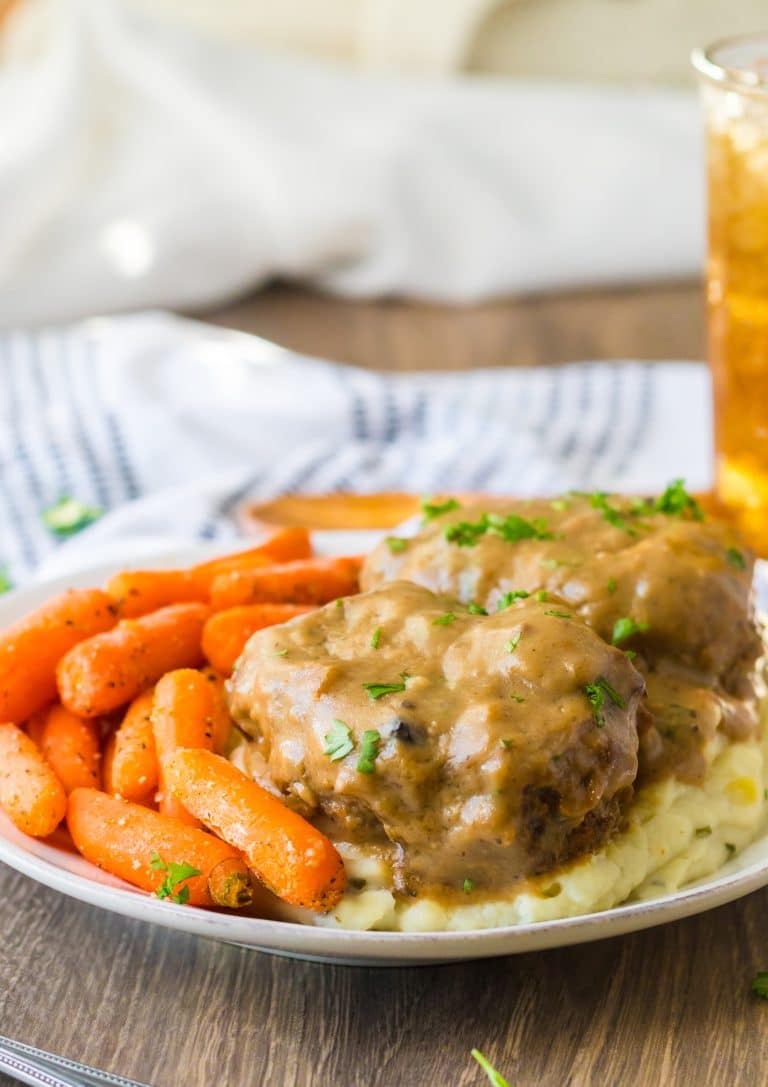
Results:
x,y
74,876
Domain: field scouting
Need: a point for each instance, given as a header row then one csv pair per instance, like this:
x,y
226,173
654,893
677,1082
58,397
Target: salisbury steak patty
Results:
x,y
683,581
505,744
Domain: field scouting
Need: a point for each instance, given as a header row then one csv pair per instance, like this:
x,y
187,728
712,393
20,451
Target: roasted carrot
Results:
x,y
226,632
138,592
229,885
130,758
147,849
72,745
34,726
32,647
287,545
30,792
289,855
111,669
182,716
221,720
306,581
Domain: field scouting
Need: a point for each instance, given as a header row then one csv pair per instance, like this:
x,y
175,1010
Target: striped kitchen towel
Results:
x,y
167,424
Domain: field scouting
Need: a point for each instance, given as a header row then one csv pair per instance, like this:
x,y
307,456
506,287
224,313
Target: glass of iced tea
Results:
x,y
734,80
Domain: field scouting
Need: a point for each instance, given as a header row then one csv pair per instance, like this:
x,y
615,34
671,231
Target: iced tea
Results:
x,y
735,90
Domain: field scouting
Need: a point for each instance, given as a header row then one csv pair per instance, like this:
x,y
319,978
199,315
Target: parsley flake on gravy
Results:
x,y
558,614
676,502
396,544
444,620
369,749
624,628
494,1078
468,886
513,642
511,528
338,742
431,509
174,885
378,690
376,638
476,609
509,598
542,595
280,652
611,585
760,984
68,516
596,693
736,558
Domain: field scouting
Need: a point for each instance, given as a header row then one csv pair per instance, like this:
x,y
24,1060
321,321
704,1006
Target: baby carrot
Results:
x,y
289,855
72,745
34,726
306,581
138,592
229,885
152,851
226,632
30,792
182,716
109,670
221,721
130,758
32,647
287,545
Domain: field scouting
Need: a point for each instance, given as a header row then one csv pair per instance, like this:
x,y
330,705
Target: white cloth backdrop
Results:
x,y
142,165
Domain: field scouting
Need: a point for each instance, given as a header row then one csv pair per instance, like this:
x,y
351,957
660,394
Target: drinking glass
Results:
x,y
734,83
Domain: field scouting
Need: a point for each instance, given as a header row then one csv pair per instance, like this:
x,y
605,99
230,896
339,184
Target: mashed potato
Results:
x,y
677,833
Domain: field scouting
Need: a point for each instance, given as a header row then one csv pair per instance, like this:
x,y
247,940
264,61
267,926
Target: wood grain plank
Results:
x,y
653,322
670,1006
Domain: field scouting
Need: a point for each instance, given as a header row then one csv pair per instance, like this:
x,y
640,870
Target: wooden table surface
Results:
x,y
667,1007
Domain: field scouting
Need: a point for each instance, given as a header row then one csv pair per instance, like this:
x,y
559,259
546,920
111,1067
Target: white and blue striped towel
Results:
x,y
167,424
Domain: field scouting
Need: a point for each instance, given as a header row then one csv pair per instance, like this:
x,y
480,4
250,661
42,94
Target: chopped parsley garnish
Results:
x,y
432,509
736,558
511,528
629,654
624,628
513,642
468,886
369,749
552,891
177,874
507,743
611,585
596,693
280,652
558,614
517,698
703,832
616,517
476,609
68,516
677,502
5,581
396,544
376,638
495,1078
559,504
760,984
511,597
378,690
444,620
542,595
338,742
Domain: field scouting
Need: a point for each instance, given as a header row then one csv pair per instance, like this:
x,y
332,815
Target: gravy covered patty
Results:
x,y
464,746
652,576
